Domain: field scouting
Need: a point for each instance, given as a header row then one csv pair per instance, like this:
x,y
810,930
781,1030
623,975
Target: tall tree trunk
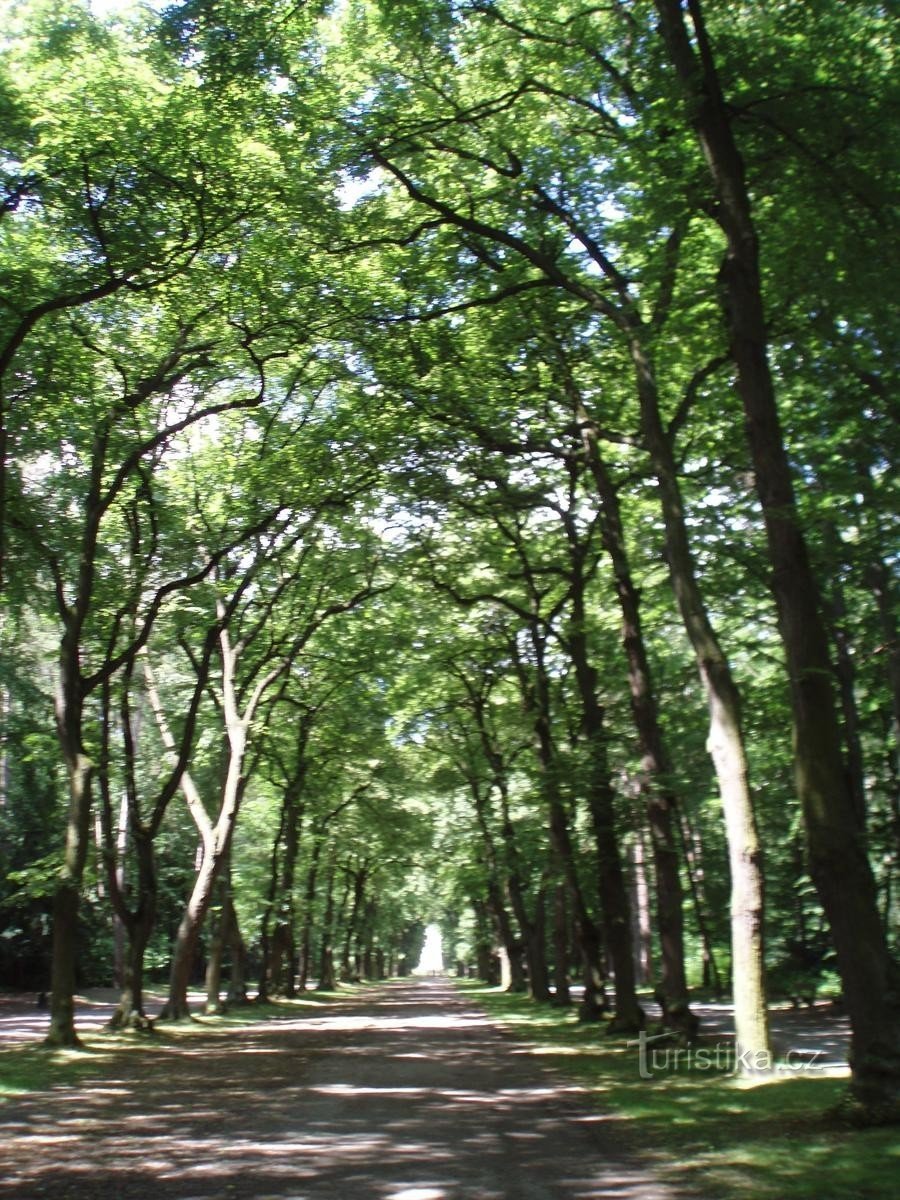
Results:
x,y
537,700
138,924
266,949
628,1016
187,939
237,984
838,861
532,932
327,981
642,926
309,899
880,580
120,937
513,946
725,743
215,950
485,962
279,923
692,850
67,896
845,668
561,993
350,966
659,795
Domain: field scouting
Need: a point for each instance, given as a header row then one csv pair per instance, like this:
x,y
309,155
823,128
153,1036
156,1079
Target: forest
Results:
x,y
446,476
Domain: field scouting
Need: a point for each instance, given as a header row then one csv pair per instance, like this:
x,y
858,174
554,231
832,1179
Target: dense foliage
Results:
x,y
445,448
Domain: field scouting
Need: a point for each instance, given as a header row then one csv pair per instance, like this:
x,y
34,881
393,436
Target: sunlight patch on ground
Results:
x,y
418,1193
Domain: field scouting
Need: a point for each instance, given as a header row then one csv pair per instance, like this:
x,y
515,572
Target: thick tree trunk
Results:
x,y
838,861
535,939
129,1013
187,939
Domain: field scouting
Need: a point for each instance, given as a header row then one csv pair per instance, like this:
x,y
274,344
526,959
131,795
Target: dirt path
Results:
x,y
407,1093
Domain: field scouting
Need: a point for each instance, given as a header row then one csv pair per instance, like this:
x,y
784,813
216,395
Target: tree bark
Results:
x,y
628,1015
659,796
327,981
838,861
561,993
536,697
67,896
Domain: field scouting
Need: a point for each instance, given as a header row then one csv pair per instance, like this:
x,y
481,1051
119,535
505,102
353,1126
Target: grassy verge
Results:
x,y
703,1128
33,1067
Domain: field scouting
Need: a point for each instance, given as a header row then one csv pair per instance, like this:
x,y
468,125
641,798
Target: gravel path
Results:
x,y
404,1093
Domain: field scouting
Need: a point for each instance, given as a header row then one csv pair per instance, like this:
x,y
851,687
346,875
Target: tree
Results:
x,y
838,859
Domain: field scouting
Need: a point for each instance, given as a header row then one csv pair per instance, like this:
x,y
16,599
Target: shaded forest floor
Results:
x,y
407,1091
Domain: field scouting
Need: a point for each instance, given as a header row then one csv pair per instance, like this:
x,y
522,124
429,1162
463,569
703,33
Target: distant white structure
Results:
x,y
432,960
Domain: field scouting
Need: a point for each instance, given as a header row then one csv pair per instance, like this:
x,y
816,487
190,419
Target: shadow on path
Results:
x,y
408,1093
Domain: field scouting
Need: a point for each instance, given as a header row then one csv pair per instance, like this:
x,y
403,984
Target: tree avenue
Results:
x,y
445,472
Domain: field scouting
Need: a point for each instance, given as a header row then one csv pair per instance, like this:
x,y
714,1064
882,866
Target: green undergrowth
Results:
x,y
703,1129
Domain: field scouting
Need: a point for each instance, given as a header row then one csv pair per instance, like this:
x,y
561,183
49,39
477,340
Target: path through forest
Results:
x,y
405,1093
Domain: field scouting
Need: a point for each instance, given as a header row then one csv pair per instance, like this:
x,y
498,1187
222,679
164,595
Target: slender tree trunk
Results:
x,y
350,967
309,899
532,932
642,928
120,937
267,952
880,581
561,994
628,1016
67,895
725,744
593,1002
693,859
138,924
215,952
512,947
659,795
838,861
846,679
327,981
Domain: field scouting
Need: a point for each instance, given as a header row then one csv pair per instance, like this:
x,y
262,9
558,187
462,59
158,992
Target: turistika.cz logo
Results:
x,y
723,1058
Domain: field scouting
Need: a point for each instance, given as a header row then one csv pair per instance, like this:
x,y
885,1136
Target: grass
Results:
x,y
705,1129
33,1067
